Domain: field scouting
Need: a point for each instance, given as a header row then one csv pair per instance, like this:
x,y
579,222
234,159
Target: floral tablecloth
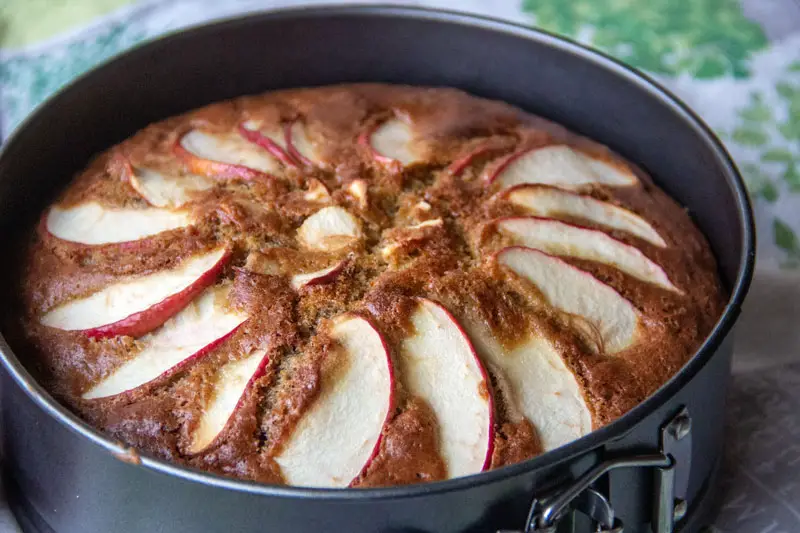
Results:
x,y
737,62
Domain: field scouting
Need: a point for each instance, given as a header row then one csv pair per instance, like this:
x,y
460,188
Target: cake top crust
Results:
x,y
360,285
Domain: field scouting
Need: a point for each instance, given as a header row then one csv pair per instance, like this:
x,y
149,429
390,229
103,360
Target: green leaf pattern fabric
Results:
x,y
705,39
746,85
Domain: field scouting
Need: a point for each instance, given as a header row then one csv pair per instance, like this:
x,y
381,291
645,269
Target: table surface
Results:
x,y
736,62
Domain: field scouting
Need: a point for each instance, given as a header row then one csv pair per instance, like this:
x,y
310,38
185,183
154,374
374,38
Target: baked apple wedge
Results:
x,y
319,277
195,331
359,191
165,191
289,143
402,240
613,318
459,165
440,366
392,142
272,139
225,156
560,166
338,436
549,202
300,146
329,229
317,192
95,224
559,238
230,384
540,387
142,304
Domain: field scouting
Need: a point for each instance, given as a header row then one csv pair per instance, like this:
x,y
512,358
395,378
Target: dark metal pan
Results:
x,y
654,469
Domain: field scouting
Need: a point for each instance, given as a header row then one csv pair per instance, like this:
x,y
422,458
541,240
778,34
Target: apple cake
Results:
x,y
360,285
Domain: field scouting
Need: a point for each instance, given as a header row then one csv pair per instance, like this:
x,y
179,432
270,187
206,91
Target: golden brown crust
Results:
x,y
383,271
515,442
409,450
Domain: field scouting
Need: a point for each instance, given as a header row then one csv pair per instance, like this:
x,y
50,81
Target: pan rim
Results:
x,y
591,441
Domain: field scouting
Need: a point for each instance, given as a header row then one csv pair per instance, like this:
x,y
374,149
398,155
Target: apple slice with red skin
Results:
x,y
199,328
224,156
261,264
329,229
391,142
142,304
539,386
550,202
340,433
440,366
165,191
459,165
272,140
320,277
614,319
560,238
94,224
560,166
300,146
403,239
231,382
290,144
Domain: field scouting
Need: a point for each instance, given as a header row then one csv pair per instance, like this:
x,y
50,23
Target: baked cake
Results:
x,y
360,285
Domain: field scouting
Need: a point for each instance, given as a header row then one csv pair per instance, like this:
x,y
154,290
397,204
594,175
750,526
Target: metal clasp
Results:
x,y
672,466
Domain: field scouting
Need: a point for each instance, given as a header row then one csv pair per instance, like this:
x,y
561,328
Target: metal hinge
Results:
x,y
671,465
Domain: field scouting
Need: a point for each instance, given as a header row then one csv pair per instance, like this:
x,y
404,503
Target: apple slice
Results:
x,y
560,166
459,165
330,228
94,224
540,387
433,223
317,192
358,189
392,141
192,333
578,293
141,304
290,143
300,146
326,275
167,191
340,434
272,140
224,156
231,383
409,237
421,208
440,366
560,238
549,202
